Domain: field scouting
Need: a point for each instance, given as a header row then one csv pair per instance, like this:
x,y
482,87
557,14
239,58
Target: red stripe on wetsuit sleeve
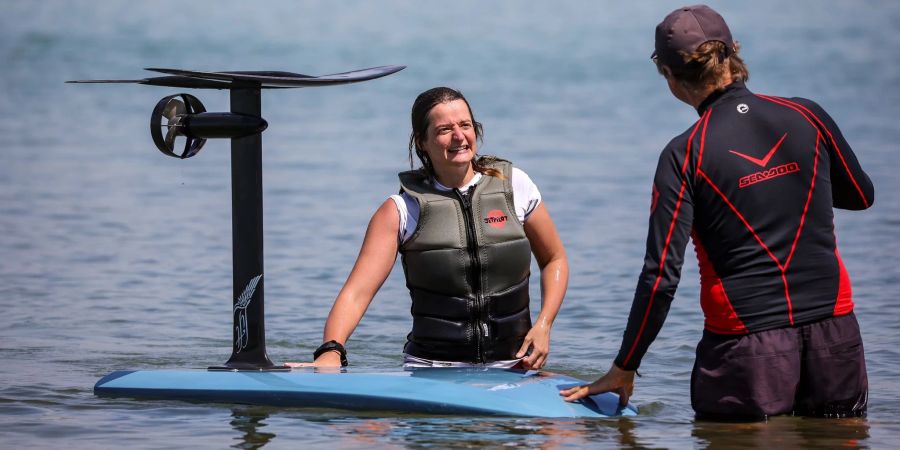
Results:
x,y
804,111
662,259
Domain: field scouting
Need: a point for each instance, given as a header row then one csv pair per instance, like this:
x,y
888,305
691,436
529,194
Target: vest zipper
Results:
x,y
480,327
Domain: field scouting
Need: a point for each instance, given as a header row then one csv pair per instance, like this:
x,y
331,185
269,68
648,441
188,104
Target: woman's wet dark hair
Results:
x,y
420,109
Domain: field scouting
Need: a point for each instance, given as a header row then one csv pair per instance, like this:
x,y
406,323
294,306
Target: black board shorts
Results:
x,y
817,369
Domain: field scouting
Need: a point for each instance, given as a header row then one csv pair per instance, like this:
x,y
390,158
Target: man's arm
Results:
x,y
851,188
671,219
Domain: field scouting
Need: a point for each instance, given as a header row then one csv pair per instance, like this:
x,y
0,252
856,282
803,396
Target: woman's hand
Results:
x,y
538,339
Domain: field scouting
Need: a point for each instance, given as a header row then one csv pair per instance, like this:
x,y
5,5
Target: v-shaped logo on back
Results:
x,y
765,161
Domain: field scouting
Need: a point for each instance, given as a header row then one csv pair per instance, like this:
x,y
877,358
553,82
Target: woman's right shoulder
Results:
x,y
407,213
392,204
386,217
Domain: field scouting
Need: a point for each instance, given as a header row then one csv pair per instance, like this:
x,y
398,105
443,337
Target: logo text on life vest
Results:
x,y
496,219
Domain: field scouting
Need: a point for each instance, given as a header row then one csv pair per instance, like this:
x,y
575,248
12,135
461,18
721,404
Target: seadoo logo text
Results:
x,y
767,174
495,218
764,175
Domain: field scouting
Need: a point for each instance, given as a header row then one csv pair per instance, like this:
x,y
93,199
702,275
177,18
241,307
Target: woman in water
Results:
x,y
465,227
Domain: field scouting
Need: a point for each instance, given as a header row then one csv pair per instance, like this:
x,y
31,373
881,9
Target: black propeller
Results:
x,y
186,116
176,110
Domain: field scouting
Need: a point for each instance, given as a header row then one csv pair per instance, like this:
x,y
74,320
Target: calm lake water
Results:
x,y
115,257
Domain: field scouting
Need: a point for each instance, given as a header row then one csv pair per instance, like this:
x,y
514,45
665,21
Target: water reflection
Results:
x,y
249,421
369,430
451,432
448,432
784,432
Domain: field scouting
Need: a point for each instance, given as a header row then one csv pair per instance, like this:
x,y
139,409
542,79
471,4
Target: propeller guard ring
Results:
x,y
176,108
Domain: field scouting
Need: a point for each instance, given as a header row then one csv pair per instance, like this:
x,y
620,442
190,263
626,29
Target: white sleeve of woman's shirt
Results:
x,y
526,198
408,209
526,195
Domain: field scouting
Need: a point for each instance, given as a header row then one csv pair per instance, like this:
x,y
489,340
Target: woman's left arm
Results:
x,y
551,257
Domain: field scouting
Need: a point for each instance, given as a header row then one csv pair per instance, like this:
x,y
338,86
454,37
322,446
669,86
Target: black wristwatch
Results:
x,y
331,346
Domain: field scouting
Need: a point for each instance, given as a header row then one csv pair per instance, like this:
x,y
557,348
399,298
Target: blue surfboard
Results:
x,y
471,391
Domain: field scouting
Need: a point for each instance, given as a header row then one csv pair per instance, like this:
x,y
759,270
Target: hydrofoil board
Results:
x,y
468,391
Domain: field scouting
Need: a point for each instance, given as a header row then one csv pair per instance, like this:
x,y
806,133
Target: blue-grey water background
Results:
x,y
113,256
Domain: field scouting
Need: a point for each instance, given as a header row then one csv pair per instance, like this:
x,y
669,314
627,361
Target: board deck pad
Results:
x,y
471,391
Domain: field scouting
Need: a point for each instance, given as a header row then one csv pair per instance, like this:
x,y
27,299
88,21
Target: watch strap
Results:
x,y
332,346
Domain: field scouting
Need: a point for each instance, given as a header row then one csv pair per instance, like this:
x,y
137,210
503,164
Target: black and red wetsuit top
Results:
x,y
753,183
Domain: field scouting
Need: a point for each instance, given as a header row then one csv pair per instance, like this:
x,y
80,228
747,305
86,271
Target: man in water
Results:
x,y
753,182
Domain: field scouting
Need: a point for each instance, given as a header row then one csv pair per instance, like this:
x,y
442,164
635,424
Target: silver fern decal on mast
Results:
x,y
240,308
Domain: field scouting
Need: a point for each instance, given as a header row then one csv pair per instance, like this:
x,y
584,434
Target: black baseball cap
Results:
x,y
687,28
